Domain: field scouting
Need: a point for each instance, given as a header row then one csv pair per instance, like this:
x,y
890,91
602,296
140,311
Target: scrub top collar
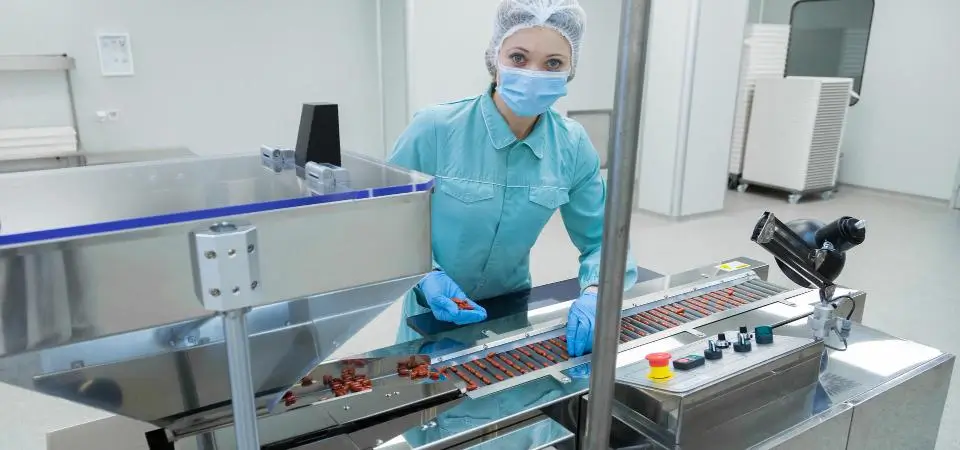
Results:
x,y
499,131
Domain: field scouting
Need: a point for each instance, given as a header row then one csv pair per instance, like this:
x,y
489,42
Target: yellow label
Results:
x,y
733,265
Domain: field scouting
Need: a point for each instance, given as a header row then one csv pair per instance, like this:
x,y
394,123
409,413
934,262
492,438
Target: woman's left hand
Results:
x,y
580,322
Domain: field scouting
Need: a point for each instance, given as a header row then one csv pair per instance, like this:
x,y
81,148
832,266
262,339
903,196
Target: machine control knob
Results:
x,y
659,367
712,352
763,335
743,343
722,342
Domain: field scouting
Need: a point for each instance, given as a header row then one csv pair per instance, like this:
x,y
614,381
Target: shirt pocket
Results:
x,y
467,191
549,197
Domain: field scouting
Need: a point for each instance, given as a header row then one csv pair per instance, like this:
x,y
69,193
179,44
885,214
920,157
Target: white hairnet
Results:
x,y
564,16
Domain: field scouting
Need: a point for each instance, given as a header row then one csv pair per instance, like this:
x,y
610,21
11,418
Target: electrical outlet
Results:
x,y
108,115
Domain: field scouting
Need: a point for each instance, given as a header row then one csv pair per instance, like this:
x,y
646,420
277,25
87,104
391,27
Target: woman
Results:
x,y
504,162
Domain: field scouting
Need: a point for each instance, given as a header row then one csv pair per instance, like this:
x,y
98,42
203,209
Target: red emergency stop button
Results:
x,y
659,366
658,359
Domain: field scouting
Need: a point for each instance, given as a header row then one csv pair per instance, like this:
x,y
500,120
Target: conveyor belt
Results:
x,y
485,370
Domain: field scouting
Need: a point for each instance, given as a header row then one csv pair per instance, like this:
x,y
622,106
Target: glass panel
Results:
x,y
58,204
828,38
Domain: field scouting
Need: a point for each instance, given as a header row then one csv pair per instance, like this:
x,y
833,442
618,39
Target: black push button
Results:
x,y
688,362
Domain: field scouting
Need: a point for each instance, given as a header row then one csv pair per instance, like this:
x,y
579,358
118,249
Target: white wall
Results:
x,y
452,68
595,83
394,69
216,76
903,135
446,44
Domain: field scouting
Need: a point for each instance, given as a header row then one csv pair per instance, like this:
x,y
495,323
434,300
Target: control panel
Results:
x,y
706,361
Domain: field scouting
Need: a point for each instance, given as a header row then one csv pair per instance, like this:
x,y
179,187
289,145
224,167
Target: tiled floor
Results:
x,y
908,266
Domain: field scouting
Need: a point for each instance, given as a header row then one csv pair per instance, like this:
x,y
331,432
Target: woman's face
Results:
x,y
538,48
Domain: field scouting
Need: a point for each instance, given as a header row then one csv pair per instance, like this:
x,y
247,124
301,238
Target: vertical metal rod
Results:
x,y
73,107
686,109
207,441
241,380
625,132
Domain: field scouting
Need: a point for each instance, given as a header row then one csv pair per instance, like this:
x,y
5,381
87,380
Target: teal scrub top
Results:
x,y
495,193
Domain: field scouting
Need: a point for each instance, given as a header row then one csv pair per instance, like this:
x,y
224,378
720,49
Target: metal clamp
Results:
x,y
326,178
277,159
226,266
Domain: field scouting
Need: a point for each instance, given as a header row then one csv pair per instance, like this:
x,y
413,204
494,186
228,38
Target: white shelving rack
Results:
x,y
63,63
796,128
764,56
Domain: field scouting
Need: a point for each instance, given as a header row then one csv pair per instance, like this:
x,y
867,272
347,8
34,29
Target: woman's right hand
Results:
x,y
443,295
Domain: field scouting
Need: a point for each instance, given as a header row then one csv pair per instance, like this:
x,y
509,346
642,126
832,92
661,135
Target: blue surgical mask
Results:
x,y
530,93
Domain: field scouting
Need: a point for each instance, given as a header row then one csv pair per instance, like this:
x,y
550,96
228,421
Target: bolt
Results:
x,y
191,340
254,285
396,393
379,442
250,248
346,407
232,253
215,292
388,395
210,254
223,227
236,290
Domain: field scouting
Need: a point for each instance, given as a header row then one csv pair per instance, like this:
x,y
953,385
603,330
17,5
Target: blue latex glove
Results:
x,y
580,320
439,290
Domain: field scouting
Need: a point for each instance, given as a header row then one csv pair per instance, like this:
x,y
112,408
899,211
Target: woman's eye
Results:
x,y
517,58
554,64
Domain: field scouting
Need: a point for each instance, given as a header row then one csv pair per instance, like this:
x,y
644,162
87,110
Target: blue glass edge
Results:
x,y
191,216
425,186
392,190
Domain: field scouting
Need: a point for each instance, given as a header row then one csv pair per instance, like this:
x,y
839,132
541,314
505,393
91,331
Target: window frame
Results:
x,y
854,99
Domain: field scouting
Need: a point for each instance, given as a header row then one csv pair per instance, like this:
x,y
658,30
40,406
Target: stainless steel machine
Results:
x,y
111,305
206,297
514,388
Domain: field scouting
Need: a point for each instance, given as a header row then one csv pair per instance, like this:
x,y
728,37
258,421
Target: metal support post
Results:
x,y
226,273
625,132
241,381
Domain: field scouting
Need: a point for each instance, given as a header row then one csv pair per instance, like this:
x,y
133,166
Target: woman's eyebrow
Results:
x,y
521,49
556,55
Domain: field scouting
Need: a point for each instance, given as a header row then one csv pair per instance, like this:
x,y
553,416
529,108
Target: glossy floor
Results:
x,y
908,268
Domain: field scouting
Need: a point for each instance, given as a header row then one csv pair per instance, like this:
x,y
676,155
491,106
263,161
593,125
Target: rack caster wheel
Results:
x,y
826,195
742,187
733,181
793,199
